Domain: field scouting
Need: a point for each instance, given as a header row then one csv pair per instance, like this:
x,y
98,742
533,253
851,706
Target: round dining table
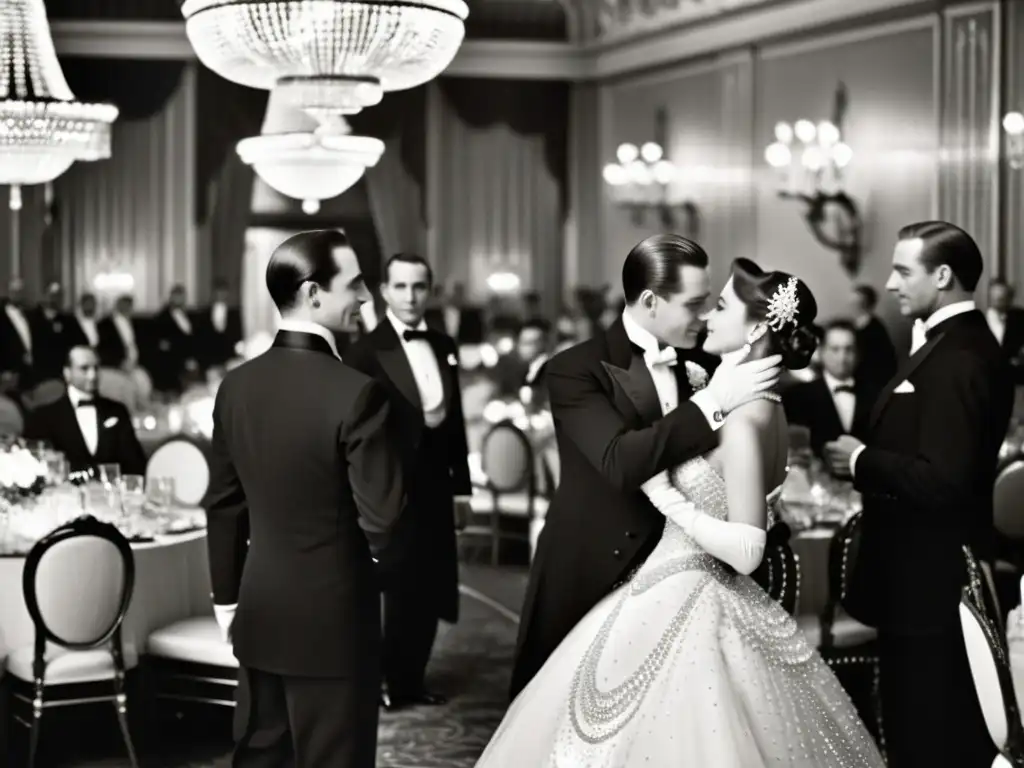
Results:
x,y
172,582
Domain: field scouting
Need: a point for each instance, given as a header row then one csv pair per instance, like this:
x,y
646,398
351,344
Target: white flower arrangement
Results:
x,y
21,473
696,375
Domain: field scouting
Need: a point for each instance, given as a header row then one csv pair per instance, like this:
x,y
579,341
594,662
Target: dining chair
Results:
x,y
77,583
508,462
988,655
183,459
12,422
190,662
44,393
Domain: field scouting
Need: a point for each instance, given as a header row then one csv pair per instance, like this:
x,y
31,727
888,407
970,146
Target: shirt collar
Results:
x,y
401,328
76,396
304,326
950,310
639,335
83,319
832,382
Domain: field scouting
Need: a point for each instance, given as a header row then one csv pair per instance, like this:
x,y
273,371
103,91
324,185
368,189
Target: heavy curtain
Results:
x,y
498,183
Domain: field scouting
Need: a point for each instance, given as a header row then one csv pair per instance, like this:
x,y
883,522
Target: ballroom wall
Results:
x,y
923,121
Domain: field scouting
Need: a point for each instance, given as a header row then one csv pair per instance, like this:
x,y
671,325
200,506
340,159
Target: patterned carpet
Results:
x,y
471,664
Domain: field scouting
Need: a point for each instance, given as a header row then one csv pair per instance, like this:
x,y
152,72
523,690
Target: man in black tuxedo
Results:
x,y
176,347
837,403
120,340
876,353
17,342
614,400
49,325
305,486
83,328
926,474
418,367
218,329
89,430
1007,324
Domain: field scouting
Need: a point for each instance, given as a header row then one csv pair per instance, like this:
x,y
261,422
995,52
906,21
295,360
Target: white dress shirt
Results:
x,y
304,326
88,325
88,423
664,377
997,324
219,316
425,370
17,318
920,330
123,326
845,402
181,320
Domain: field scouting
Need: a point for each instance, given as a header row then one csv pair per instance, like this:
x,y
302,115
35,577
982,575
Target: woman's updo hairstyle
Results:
x,y
761,291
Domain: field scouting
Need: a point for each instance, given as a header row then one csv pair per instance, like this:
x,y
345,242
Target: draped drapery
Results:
x,y
498,188
395,186
130,214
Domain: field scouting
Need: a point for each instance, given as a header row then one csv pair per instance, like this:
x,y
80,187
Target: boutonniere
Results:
x,y
452,360
696,375
110,422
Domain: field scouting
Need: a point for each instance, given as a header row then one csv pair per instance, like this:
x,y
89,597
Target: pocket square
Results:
x,y
905,387
452,360
110,422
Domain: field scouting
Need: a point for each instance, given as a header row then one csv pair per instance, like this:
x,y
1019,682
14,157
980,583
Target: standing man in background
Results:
x,y
419,367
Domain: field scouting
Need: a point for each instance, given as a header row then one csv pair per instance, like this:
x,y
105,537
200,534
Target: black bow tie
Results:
x,y
85,403
843,388
416,335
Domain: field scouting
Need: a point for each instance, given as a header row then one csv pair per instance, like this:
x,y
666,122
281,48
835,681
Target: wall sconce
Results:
x,y
640,181
1013,124
811,159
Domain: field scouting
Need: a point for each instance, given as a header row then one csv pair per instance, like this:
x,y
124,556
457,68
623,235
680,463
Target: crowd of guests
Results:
x,y
174,346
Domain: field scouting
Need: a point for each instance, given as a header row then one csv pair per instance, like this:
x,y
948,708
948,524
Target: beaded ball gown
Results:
x,y
684,666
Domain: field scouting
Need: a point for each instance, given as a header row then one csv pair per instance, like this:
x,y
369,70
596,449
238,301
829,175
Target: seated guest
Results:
x,y
524,367
838,403
49,325
89,430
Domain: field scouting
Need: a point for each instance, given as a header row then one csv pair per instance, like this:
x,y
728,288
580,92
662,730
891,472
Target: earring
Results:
x,y
316,304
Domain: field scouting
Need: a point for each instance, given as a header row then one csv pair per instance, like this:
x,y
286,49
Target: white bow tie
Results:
x,y
666,356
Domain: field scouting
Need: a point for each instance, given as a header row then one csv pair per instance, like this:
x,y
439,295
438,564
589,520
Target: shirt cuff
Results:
x,y
712,412
853,459
466,499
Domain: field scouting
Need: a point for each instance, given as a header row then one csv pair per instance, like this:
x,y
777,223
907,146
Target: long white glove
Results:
x,y
736,544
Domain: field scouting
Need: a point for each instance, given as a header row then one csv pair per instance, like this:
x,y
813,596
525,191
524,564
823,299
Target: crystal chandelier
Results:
x,y
329,57
305,161
43,130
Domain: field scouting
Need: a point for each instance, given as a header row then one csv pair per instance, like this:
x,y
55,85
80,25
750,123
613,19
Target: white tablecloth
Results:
x,y
172,582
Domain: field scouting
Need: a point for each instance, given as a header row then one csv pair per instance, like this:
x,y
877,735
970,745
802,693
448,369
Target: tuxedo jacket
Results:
x,y
471,328
811,404
173,347
50,334
112,350
303,467
14,355
927,476
215,347
74,333
1013,342
436,460
876,354
611,439
117,443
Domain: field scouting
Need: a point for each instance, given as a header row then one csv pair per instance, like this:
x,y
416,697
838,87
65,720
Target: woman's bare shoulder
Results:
x,y
759,414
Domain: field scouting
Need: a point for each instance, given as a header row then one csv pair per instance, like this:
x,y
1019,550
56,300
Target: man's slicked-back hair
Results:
x,y
408,258
946,243
655,265
307,256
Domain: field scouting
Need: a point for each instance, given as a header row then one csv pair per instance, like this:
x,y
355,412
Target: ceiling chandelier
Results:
x,y
329,57
305,161
43,130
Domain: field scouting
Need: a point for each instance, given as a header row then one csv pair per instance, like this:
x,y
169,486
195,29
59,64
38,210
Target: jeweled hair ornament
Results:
x,y
784,306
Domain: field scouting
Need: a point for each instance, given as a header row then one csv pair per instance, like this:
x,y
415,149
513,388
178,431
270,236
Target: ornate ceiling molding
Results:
x,y
618,20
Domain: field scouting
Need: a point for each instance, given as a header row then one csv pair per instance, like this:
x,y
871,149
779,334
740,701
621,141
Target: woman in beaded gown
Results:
x,y
690,664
